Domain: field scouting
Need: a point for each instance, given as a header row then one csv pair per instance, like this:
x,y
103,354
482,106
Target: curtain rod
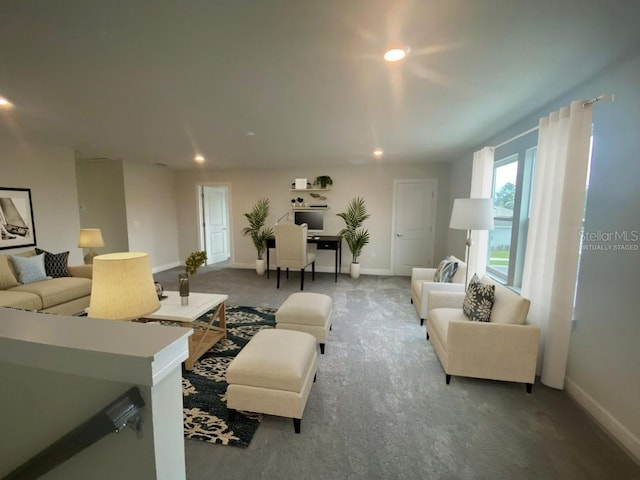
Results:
x,y
585,104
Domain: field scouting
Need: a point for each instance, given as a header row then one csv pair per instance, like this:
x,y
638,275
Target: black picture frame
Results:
x,y
17,228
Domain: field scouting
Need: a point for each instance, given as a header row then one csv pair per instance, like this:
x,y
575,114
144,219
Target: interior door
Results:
x,y
216,223
414,224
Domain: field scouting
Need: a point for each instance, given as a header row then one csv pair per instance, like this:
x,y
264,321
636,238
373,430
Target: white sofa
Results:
x,y
505,348
422,283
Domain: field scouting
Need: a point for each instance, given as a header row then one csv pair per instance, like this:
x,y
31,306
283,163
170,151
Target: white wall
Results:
x,y
604,357
151,213
374,183
101,201
50,173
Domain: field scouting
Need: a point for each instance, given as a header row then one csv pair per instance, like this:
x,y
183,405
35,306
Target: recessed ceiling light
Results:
x,y
378,152
199,158
5,104
250,134
395,54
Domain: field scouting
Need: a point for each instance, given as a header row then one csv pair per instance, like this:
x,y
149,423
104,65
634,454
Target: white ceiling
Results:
x,y
159,80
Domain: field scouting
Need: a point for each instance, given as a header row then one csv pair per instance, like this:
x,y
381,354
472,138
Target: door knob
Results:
x,y
399,235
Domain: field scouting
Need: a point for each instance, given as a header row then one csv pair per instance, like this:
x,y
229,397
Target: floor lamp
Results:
x,y
471,214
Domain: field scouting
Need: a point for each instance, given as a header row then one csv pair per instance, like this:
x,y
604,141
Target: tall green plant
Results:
x,y
256,229
354,234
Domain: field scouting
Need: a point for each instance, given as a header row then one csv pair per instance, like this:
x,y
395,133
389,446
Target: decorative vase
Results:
x,y
354,271
183,279
159,289
260,266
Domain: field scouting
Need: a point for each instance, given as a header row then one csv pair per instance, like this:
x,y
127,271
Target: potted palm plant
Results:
x,y
258,232
355,235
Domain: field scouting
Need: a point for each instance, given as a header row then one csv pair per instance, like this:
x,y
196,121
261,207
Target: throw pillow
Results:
x,y
29,269
478,300
55,264
445,271
7,278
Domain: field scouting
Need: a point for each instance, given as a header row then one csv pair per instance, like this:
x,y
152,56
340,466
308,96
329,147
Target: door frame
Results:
x,y
434,212
202,245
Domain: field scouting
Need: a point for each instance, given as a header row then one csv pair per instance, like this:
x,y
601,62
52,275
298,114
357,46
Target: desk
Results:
x,y
323,242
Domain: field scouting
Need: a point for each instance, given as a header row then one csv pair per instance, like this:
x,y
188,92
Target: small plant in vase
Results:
x,y
323,181
194,261
355,235
259,234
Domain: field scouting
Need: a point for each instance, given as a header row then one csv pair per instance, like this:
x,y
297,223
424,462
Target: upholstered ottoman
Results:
x,y
307,312
273,374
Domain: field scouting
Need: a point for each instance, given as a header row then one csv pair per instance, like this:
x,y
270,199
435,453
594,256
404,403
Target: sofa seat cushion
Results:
x,y
24,300
439,319
57,290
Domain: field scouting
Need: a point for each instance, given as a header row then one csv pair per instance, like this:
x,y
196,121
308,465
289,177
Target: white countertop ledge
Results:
x,y
135,353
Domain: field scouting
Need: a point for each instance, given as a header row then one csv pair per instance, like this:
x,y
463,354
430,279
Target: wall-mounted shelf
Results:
x,y
309,208
307,190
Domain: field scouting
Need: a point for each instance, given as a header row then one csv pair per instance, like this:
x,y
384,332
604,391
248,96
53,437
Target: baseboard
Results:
x,y
627,440
162,268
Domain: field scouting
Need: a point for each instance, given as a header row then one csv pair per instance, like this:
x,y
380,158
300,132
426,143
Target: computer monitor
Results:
x,y
313,219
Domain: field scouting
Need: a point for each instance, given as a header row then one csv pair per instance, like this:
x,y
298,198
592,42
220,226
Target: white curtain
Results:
x,y
553,241
481,182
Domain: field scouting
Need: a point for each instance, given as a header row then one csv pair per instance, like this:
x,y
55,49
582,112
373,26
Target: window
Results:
x,y
512,179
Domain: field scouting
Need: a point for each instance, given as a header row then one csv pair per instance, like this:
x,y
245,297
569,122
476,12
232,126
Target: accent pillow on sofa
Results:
x,y
478,300
7,278
55,264
29,269
445,271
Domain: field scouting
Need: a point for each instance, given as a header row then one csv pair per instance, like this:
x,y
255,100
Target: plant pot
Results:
x,y
260,266
354,270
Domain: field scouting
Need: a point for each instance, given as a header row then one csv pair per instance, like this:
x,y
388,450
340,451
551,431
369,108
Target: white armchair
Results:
x,y
293,251
422,283
505,348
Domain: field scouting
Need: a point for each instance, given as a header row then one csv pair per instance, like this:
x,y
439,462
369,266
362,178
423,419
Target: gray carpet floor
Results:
x,y
381,409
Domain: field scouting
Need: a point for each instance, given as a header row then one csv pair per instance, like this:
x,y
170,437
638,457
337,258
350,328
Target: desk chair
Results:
x,y
292,250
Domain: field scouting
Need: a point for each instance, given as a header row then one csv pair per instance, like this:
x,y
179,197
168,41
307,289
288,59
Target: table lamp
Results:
x,y
471,214
90,238
122,287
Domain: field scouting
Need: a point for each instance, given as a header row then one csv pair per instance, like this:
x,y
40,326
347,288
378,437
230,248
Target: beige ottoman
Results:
x,y
307,312
273,374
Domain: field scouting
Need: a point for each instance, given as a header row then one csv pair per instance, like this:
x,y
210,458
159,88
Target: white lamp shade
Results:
x,y
122,287
472,214
90,238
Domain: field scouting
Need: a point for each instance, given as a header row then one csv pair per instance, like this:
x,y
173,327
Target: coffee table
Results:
x,y
199,304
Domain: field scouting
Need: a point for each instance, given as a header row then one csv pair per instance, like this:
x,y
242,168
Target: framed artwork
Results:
x,y
16,218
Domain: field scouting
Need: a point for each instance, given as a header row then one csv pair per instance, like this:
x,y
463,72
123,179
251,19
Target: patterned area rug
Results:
x,y
204,388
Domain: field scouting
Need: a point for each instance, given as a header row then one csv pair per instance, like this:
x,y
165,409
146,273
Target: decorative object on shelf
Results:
x,y
356,236
301,184
318,196
258,232
123,287
90,238
323,181
300,200
159,289
16,218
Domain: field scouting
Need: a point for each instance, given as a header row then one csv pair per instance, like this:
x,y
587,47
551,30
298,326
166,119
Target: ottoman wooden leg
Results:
x,y
322,348
296,424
